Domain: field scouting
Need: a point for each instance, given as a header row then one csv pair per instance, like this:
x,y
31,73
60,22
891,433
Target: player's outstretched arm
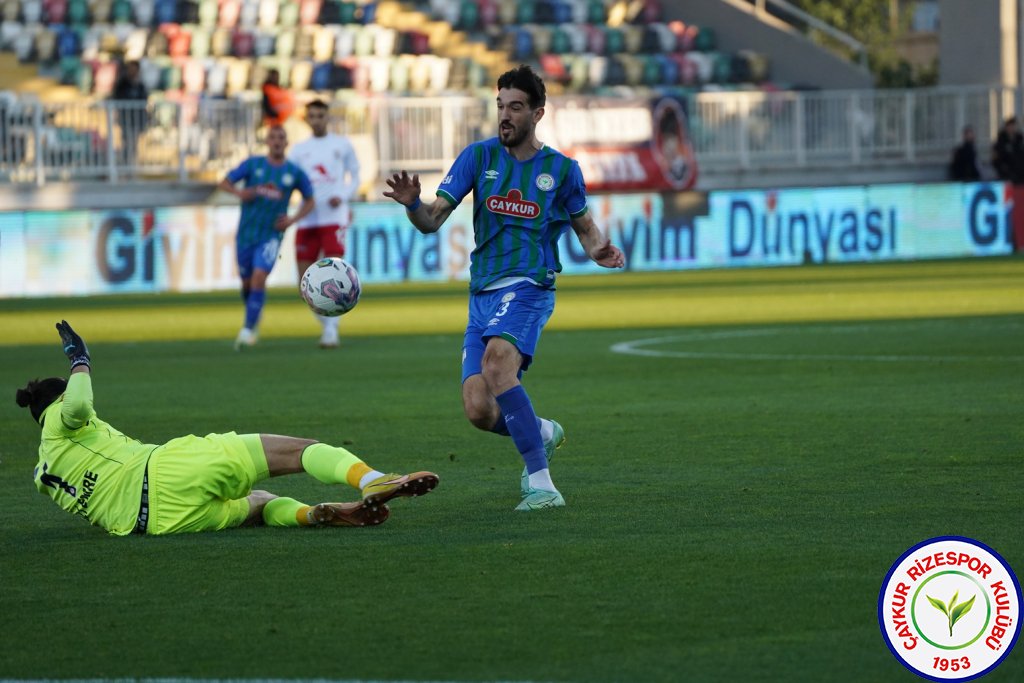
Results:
x,y
598,247
426,218
76,409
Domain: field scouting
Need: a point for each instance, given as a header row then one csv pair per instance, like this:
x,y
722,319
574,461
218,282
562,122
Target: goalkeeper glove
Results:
x,y
74,348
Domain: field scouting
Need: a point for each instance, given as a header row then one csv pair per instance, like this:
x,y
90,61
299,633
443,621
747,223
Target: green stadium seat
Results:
x,y
706,40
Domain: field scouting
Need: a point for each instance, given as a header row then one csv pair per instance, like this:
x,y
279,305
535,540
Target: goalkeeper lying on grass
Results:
x,y
191,483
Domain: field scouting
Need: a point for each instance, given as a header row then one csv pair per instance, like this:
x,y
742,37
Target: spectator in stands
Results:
x,y
269,183
1008,153
278,103
671,148
332,166
130,96
964,166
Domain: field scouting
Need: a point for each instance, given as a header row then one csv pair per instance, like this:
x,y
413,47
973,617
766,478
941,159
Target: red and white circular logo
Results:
x,y
949,609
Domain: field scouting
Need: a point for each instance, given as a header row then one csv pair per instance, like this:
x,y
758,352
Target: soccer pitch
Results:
x,y
748,452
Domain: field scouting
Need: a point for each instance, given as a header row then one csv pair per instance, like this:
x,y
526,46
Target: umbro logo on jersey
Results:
x,y
491,174
513,204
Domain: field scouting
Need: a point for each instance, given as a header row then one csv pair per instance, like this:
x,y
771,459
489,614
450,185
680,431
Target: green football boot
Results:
x,y
382,489
536,499
557,439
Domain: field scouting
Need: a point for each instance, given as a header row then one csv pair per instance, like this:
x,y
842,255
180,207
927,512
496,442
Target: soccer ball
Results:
x,y
330,287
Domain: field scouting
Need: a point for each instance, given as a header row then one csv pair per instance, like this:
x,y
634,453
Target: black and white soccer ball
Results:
x,y
330,287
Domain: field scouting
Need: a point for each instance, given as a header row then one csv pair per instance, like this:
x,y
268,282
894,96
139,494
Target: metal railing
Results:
x,y
201,139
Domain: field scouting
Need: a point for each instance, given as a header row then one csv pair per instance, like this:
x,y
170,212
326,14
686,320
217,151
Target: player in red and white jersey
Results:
x,y
330,162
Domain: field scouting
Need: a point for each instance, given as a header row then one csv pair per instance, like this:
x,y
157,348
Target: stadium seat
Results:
x,y
78,13
401,66
345,42
122,12
507,12
220,43
304,42
614,41
164,11
200,44
323,44
384,41
208,13
157,44
238,75
597,71
193,76
32,11
597,13
440,68
704,64
264,43
469,16
420,43
101,11
419,73
12,11
579,69
526,12
650,40
364,41
489,13
320,78
669,69
301,73
144,11
268,13
217,78
179,43
149,74
284,46
243,44
706,40
55,11
249,16
554,68
330,13
632,37
577,34
562,12
616,72
544,12
45,51
85,76
667,40
104,78
347,12
368,13
596,40
288,15
577,11
541,38
523,49
633,68
69,43
309,12
651,12
68,68
653,70
560,42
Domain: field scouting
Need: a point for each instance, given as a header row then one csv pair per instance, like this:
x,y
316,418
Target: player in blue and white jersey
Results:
x,y
268,185
525,195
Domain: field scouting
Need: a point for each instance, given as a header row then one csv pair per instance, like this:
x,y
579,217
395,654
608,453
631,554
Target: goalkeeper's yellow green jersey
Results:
x,y
88,467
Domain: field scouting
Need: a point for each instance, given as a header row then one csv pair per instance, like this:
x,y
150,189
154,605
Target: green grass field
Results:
x,y
748,452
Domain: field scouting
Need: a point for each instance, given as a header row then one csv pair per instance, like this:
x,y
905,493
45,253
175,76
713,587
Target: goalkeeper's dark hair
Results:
x,y
38,394
526,79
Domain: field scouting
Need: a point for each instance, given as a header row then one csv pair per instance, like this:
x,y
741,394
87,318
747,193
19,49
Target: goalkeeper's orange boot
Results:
x,y
346,514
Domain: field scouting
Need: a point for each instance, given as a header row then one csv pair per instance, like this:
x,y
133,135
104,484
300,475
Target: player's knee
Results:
x,y
257,501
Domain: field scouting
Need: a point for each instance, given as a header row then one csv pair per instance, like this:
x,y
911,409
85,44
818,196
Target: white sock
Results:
x,y
541,480
547,430
368,477
324,320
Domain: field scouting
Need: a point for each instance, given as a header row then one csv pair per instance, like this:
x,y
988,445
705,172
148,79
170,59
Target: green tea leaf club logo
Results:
x,y
949,609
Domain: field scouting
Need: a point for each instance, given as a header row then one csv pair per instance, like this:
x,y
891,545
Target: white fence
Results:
x,y
730,131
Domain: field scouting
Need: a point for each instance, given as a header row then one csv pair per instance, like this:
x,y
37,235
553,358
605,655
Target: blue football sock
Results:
x,y
254,307
499,427
522,425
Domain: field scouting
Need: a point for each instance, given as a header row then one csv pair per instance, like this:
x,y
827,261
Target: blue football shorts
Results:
x,y
516,313
262,256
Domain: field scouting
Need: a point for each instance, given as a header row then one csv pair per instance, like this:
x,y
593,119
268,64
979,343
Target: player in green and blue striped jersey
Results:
x,y
268,185
525,195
